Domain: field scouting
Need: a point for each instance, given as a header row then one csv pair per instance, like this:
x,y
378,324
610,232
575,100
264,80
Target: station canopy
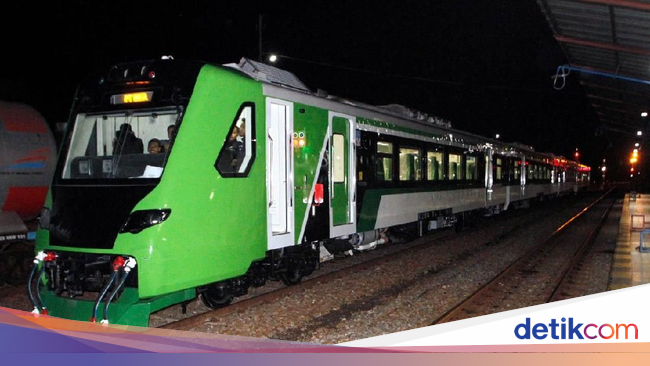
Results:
x,y
607,44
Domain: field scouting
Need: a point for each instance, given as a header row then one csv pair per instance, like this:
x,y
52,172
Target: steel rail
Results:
x,y
579,254
447,316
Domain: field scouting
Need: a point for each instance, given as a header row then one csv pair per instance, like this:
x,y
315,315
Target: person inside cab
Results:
x,y
164,144
155,147
126,142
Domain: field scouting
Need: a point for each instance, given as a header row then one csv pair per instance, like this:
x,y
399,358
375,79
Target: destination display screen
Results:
x,y
139,97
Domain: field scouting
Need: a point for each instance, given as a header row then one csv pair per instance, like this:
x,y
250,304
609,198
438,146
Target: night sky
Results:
x,y
484,65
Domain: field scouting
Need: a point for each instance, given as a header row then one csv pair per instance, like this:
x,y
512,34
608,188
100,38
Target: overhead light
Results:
x,y
497,135
273,58
636,145
639,133
644,114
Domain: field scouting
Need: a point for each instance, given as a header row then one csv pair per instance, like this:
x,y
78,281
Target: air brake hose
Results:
x,y
29,288
127,267
101,296
37,303
39,299
112,295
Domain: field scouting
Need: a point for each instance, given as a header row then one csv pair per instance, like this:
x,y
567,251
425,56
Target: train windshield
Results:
x,y
126,145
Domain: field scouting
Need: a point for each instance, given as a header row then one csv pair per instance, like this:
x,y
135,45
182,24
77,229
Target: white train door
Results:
x,y
279,173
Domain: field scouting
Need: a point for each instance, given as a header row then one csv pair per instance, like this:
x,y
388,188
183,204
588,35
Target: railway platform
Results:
x,y
631,263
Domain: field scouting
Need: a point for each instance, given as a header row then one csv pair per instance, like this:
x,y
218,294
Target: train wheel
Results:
x,y
215,297
292,276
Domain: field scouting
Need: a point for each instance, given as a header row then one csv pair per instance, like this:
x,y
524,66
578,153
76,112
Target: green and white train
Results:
x,y
181,178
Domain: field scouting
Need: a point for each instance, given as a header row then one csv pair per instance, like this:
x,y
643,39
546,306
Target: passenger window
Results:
x,y
517,168
455,172
409,164
237,154
435,167
471,170
338,158
384,163
498,165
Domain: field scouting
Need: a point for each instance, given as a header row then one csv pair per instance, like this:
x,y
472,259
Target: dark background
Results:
x,y
484,65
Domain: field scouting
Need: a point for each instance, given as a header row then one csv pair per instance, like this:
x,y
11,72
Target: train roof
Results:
x,y
284,84
291,86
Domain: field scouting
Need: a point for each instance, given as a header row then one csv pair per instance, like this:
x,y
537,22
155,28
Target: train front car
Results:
x,y
138,215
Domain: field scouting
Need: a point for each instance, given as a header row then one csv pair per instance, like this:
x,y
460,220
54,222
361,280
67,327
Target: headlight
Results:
x,y
140,220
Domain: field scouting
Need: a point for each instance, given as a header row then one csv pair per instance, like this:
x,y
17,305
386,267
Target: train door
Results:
x,y
279,173
342,175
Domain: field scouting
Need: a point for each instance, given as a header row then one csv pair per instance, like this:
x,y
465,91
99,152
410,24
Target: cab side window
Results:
x,y
238,151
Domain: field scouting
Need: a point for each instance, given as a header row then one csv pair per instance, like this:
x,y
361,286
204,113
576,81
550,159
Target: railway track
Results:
x,y
570,286
513,227
557,284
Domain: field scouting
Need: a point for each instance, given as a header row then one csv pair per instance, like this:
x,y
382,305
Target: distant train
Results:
x,y
27,160
179,178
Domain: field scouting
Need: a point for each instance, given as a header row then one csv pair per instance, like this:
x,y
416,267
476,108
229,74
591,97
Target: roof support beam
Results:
x,y
621,3
612,22
616,123
621,111
614,129
617,90
621,119
602,45
639,106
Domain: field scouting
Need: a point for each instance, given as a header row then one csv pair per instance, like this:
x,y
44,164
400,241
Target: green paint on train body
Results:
x,y
217,226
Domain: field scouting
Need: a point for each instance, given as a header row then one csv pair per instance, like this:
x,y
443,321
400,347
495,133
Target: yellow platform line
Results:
x,y
620,275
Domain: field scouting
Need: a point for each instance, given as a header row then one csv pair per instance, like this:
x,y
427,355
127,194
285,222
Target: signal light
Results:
x,y
299,139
